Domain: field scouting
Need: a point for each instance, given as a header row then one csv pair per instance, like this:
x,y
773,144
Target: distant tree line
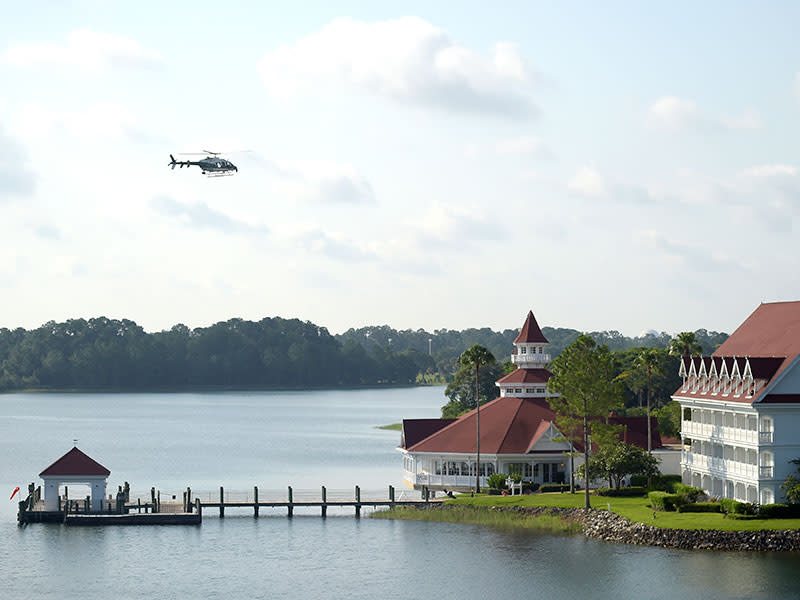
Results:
x,y
102,353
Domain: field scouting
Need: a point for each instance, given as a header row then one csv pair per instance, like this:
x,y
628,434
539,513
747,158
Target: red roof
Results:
x,y
415,430
769,338
75,464
526,376
530,332
772,330
512,425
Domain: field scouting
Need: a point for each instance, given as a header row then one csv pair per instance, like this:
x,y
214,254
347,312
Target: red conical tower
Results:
x,y
530,378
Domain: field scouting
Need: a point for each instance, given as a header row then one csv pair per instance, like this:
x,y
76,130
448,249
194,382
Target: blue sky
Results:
x,y
617,166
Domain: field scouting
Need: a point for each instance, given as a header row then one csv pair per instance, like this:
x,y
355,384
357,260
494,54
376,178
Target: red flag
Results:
x,y
16,489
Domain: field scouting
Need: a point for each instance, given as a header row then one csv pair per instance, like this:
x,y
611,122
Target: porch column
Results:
x,y
98,493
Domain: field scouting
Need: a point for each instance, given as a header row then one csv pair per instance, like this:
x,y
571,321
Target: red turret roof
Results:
x,y
526,376
75,464
530,332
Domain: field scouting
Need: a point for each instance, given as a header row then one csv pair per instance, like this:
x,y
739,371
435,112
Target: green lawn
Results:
x,y
635,509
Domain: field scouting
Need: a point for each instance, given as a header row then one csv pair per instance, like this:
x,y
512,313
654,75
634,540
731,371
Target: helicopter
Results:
x,y
211,165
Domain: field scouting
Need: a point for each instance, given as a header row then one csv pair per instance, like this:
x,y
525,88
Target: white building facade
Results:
x,y
740,409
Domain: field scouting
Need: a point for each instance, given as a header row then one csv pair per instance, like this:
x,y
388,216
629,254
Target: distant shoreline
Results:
x,y
209,389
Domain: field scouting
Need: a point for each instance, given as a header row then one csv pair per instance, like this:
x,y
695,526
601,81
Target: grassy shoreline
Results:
x,y
479,515
633,509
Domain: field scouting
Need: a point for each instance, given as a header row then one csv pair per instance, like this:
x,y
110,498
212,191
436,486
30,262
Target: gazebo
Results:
x,y
75,467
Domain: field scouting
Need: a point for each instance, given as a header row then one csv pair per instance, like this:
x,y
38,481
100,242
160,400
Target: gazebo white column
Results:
x,y
97,484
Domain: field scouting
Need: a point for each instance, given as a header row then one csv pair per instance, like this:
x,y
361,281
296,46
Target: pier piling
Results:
x,y
255,501
290,507
221,503
324,502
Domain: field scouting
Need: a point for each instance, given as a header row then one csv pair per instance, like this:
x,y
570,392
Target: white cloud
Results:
x,y
588,182
85,50
17,179
691,255
317,181
201,216
671,112
770,171
526,145
408,60
456,226
114,121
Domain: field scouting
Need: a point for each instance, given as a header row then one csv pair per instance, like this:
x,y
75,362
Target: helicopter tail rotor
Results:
x,y
172,162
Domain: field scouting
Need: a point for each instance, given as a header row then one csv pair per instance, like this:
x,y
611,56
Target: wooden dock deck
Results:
x,y
190,510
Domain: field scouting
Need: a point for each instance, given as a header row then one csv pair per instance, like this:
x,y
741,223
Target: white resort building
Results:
x,y
741,408
518,431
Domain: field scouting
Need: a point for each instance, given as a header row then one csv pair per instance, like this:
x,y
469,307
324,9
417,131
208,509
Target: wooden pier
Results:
x,y
190,510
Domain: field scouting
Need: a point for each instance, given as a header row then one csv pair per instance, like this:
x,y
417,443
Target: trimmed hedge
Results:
x,y
690,493
555,487
779,511
628,491
664,501
734,507
698,507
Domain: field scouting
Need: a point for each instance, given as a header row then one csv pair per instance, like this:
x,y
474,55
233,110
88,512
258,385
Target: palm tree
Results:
x,y
685,344
477,356
648,361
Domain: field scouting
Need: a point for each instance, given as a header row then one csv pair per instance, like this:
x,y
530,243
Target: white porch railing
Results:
x,y
462,481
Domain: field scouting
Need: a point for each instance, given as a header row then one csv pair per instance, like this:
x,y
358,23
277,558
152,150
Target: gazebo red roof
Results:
x,y
530,332
75,464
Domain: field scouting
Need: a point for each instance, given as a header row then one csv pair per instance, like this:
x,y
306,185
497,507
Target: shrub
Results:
x,y
555,487
690,493
516,477
493,492
529,487
497,481
628,491
664,501
779,511
734,507
713,507
664,483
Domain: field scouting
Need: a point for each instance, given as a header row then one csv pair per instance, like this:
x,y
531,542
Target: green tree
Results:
x,y
669,419
584,378
648,362
685,344
461,390
791,485
614,462
476,356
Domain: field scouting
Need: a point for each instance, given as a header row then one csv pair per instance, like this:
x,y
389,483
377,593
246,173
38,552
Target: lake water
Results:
x,y
303,439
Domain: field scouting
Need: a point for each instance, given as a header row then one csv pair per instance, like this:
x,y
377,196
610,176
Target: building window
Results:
x,y
519,391
522,469
523,350
530,391
540,351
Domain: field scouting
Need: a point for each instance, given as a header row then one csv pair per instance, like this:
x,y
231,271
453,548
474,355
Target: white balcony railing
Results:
x,y
526,359
720,466
722,433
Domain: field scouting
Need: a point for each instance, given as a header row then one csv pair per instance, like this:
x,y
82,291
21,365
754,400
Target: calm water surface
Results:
x,y
303,439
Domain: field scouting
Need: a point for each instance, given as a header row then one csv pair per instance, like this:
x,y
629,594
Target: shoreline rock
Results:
x,y
610,527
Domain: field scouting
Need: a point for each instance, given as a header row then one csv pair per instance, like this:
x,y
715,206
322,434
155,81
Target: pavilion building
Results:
x,y
518,431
